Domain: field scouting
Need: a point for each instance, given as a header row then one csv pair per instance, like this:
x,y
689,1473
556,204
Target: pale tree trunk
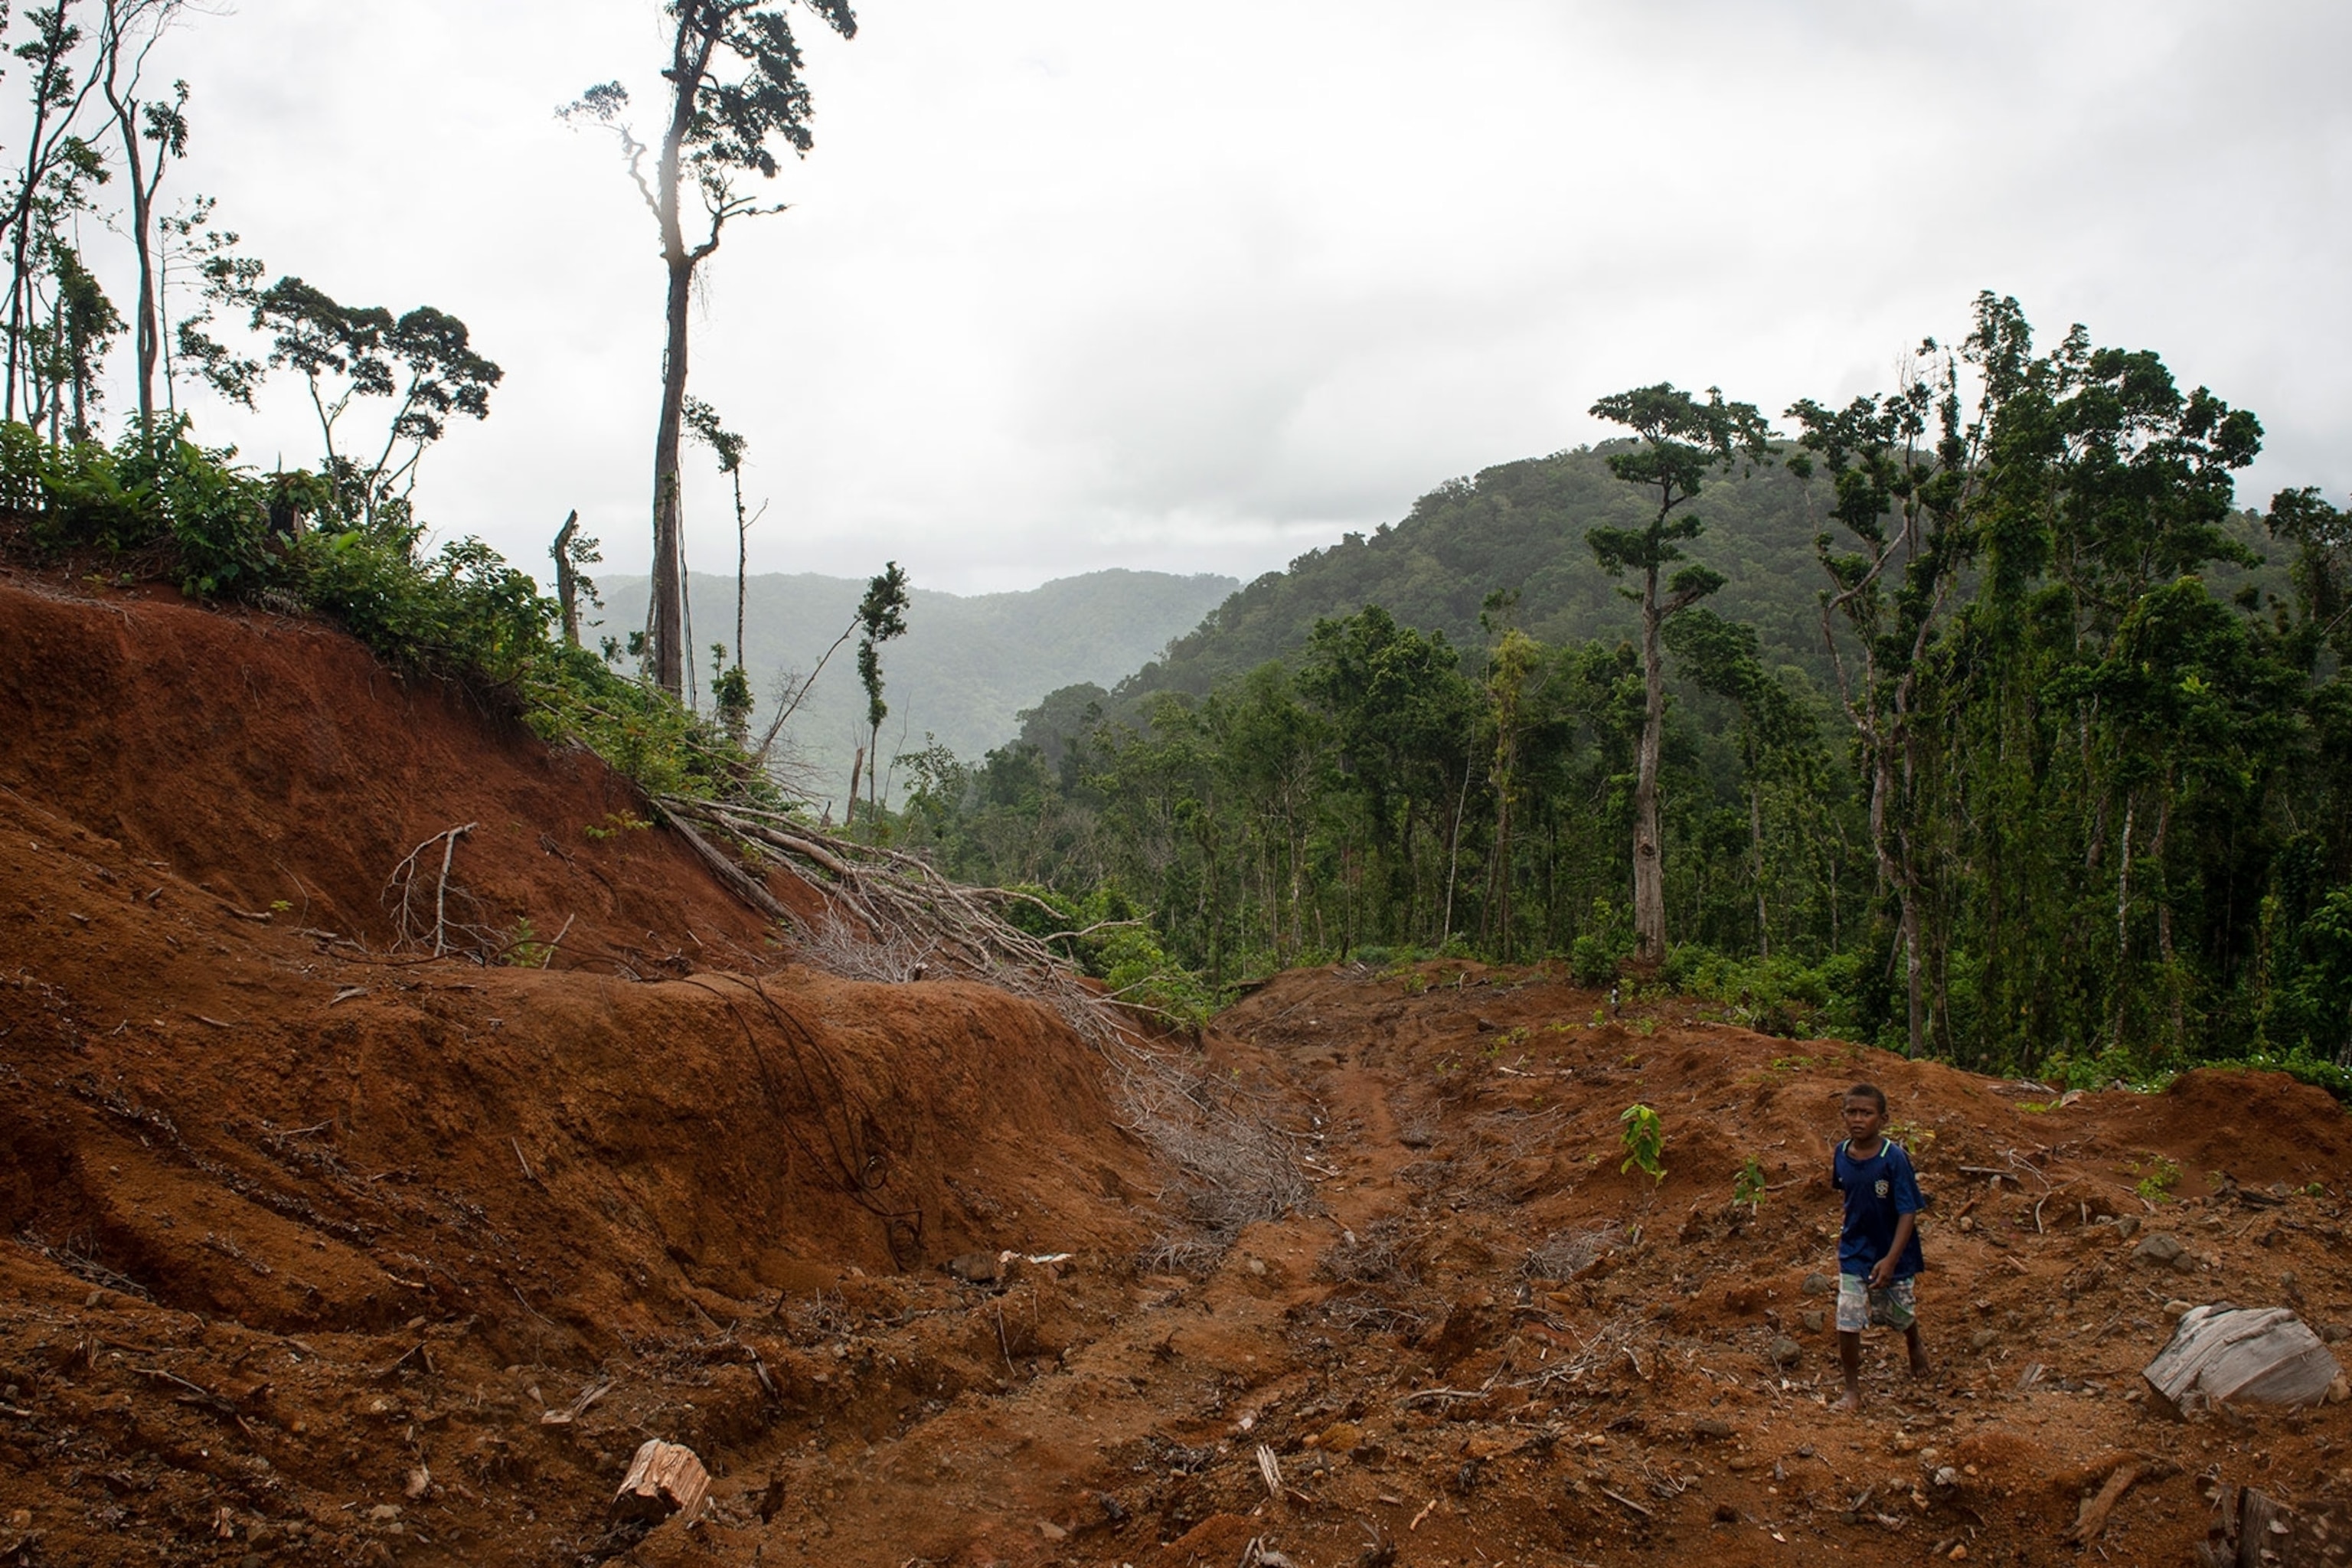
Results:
x,y
691,58
1895,871
145,339
1915,1012
2122,922
2164,911
146,335
742,565
1756,845
1649,866
668,610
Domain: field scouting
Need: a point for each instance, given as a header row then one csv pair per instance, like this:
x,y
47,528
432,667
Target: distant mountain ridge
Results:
x,y
1519,528
968,664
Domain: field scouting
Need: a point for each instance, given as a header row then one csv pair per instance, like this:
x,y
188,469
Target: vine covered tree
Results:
x,y
1681,439
1901,471
734,91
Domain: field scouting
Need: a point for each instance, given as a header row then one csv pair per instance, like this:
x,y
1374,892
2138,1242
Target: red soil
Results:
x,y
304,1234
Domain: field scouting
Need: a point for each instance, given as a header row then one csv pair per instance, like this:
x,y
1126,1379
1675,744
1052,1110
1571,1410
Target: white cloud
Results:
x,y
1069,285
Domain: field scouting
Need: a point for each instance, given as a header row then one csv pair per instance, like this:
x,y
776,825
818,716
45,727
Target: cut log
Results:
x,y
665,1478
2263,1356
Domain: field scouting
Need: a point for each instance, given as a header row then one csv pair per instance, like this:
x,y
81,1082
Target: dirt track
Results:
x,y
307,1238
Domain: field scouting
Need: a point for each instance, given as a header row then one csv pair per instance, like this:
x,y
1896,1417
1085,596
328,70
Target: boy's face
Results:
x,y
1863,1117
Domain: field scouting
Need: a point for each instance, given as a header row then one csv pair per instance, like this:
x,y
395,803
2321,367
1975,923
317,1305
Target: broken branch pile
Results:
x,y
889,915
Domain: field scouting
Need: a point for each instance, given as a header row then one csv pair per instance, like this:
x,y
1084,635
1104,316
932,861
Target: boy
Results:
x,y
1878,1251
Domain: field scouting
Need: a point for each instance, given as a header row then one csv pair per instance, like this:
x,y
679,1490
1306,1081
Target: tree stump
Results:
x,y
2251,1530
665,1478
2264,1355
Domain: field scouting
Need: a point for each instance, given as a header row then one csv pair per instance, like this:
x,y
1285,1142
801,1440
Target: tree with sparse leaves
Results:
x,y
734,92
425,359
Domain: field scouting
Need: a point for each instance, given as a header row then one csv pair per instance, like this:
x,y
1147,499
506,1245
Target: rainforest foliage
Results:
x,y
2062,783
1973,717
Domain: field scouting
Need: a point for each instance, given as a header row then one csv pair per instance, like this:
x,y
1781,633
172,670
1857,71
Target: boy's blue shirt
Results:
x,y
1878,1192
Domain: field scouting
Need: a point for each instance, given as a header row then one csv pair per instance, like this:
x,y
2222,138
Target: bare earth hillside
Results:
x,y
321,1249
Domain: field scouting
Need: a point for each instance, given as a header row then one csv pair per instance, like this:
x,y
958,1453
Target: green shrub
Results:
x,y
169,508
1594,961
2298,1064
206,522
1644,1142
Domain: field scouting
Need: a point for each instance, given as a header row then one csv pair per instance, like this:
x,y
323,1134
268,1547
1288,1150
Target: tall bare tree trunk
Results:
x,y
1649,866
2123,920
147,337
146,334
1916,1005
689,60
669,598
1756,843
567,580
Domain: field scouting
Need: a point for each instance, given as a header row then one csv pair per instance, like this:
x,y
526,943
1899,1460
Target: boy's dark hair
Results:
x,y
1868,1091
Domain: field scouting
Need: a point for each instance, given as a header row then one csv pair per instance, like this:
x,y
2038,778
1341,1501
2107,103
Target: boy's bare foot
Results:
x,y
1851,1403
1920,1366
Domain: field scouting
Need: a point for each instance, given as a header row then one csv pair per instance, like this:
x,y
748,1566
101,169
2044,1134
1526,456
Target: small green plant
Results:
x,y
1748,1186
1644,1140
2157,1178
616,822
1916,1140
279,906
523,949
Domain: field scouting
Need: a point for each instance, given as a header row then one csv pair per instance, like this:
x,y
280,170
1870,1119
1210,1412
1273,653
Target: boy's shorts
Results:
x,y
1859,1306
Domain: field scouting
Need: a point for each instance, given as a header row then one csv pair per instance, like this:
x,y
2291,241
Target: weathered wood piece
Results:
x,y
2251,1530
2260,1356
665,1478
2091,1517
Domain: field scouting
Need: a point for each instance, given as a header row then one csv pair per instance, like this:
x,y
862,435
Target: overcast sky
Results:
x,y
1071,284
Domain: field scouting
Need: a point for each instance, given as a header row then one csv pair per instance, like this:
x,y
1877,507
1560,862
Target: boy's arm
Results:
x,y
1906,1219
1884,1274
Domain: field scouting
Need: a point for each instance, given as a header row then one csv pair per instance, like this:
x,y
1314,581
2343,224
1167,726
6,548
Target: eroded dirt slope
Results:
x,y
305,1240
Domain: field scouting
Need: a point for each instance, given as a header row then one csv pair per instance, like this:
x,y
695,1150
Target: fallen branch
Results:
x,y
1439,1396
914,921
403,887
552,946
1626,1501
2093,1517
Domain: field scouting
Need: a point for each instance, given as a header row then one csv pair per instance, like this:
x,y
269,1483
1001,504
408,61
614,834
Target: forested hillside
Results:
x,y
1519,527
2070,790
964,667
